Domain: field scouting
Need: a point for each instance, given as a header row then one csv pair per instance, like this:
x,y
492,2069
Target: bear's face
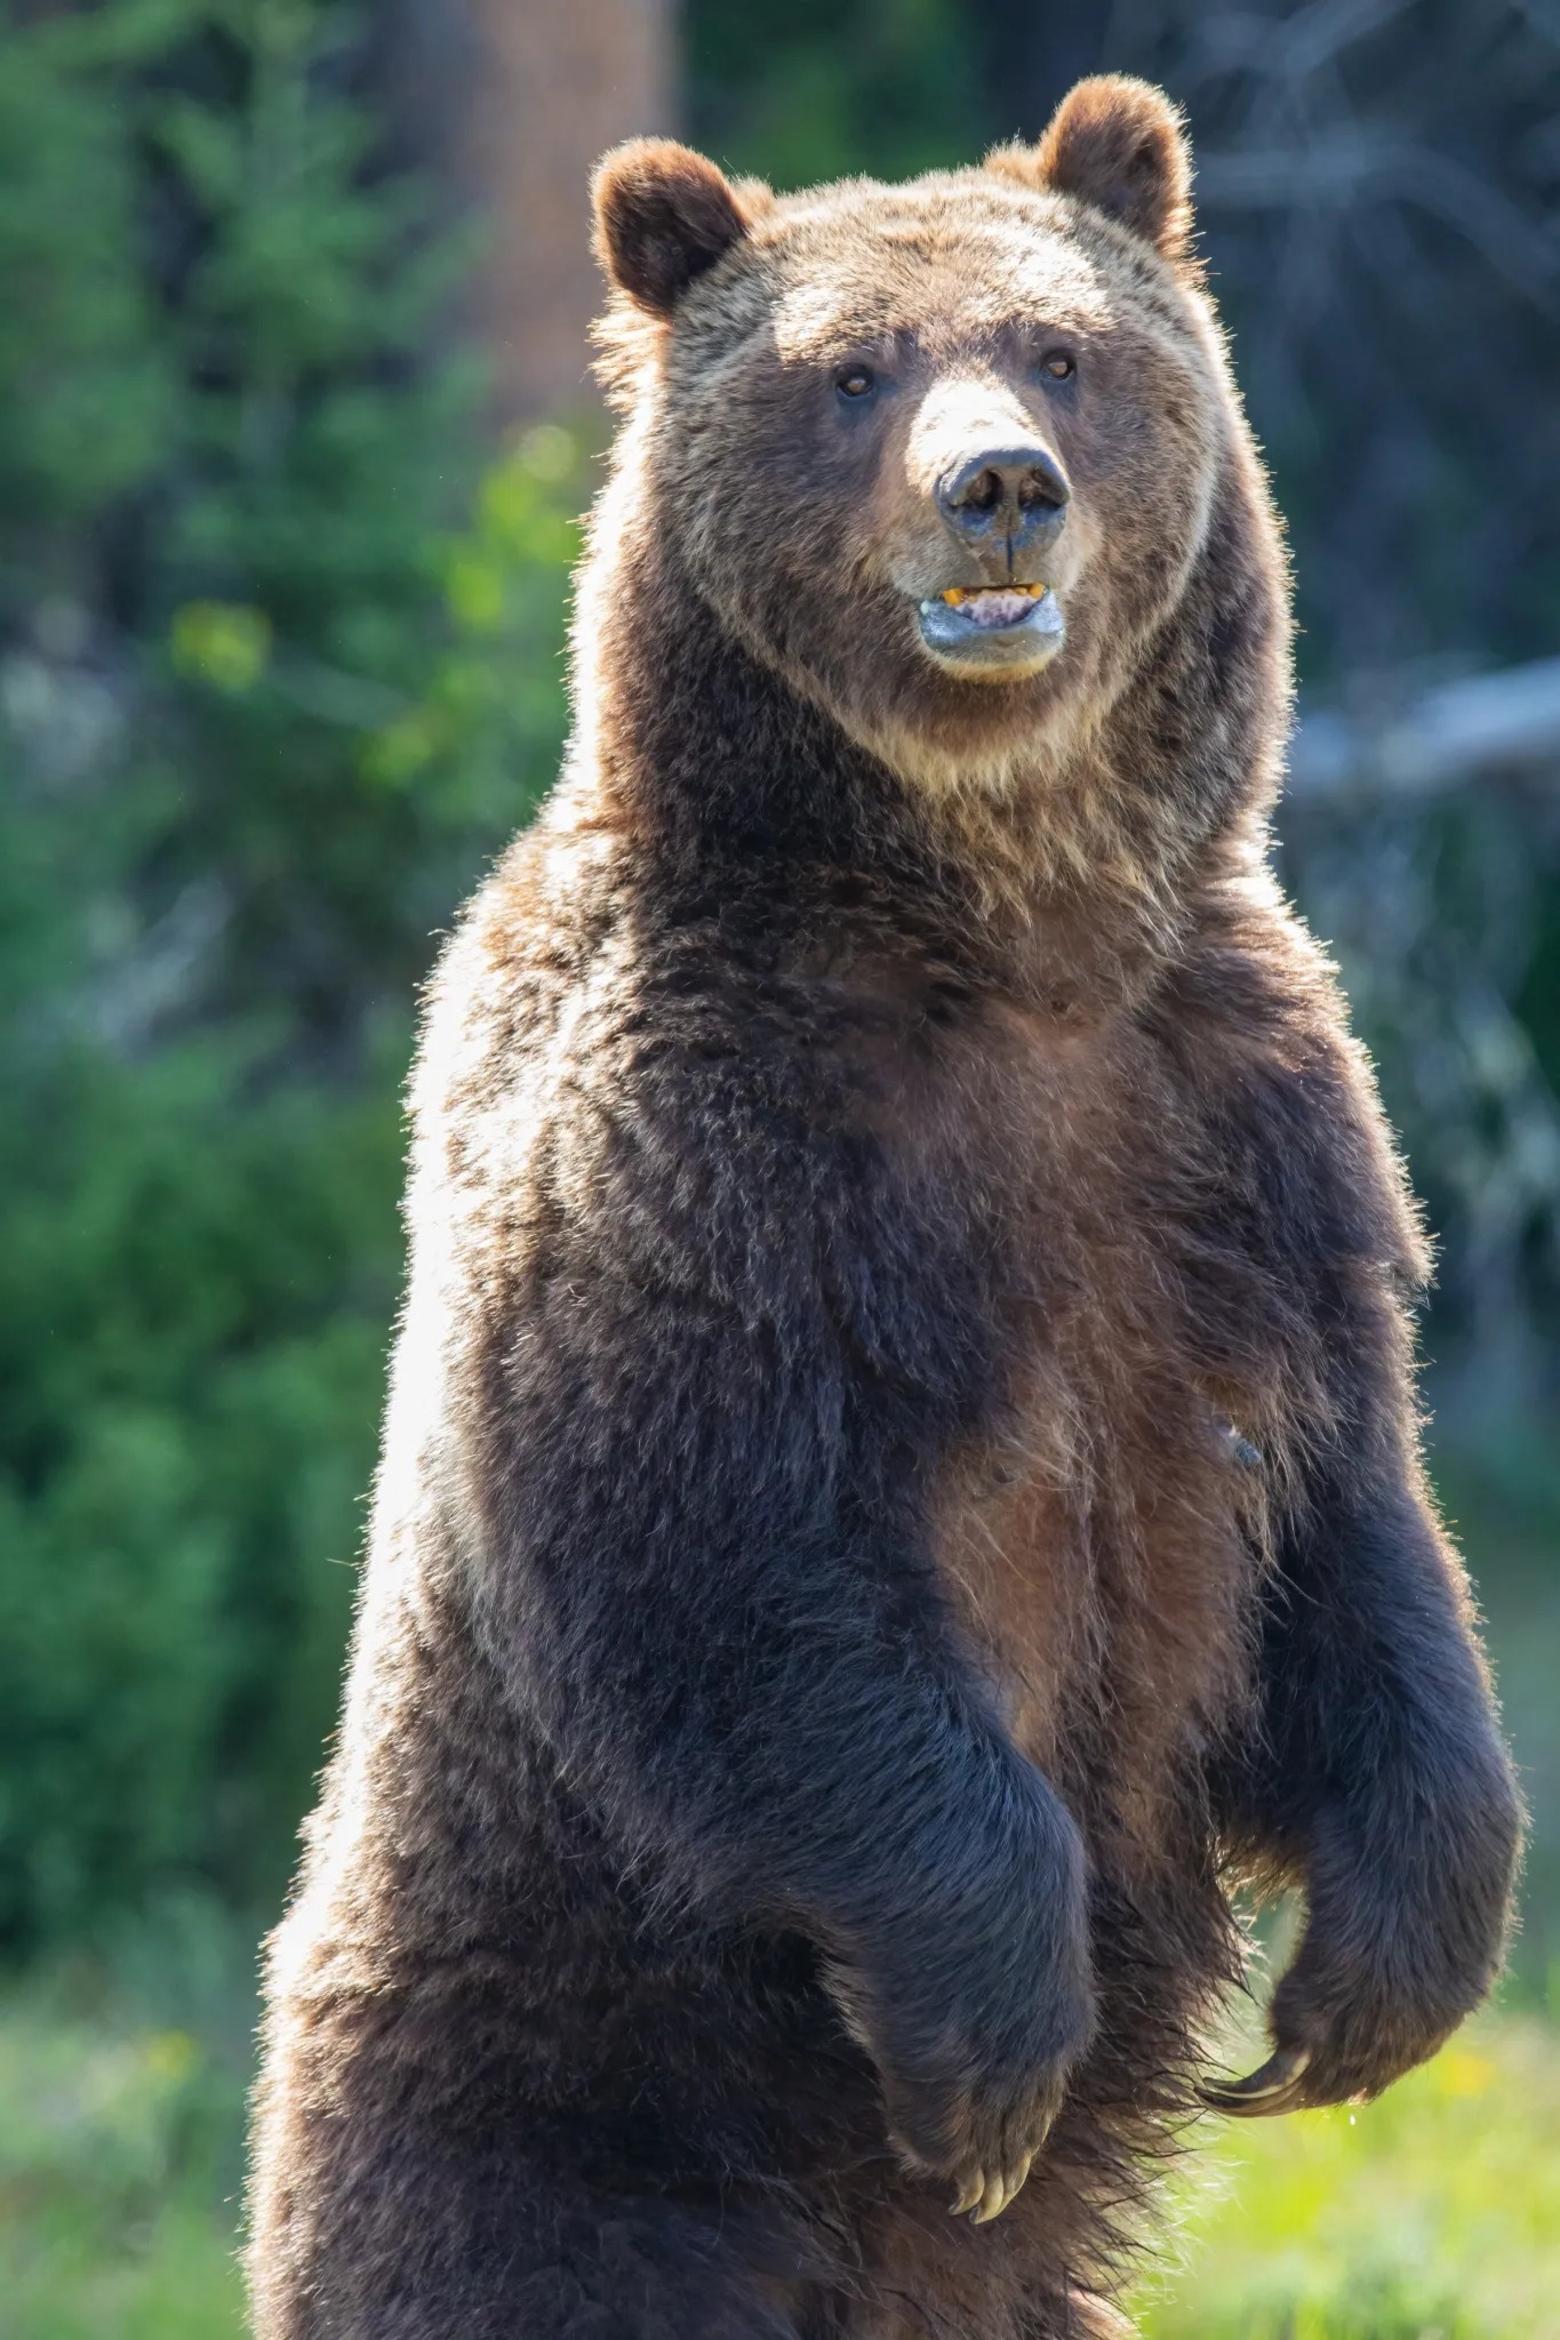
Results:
x,y
944,454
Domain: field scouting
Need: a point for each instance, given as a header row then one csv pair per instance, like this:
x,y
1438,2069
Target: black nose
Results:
x,y
1013,494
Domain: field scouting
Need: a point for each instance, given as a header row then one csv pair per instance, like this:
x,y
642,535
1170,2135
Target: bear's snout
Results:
x,y
1010,502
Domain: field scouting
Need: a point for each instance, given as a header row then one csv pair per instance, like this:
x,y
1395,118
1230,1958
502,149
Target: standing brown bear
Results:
x,y
900,1484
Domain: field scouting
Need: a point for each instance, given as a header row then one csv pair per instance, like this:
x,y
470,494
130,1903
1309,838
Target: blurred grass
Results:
x,y
119,2172
1434,2215
1431,2215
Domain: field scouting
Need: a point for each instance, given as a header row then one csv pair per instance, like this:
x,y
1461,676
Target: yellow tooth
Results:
x,y
955,594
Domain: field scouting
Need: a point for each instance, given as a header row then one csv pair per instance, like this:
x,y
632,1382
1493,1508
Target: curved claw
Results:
x,y
970,2194
1268,2090
1000,2193
992,2202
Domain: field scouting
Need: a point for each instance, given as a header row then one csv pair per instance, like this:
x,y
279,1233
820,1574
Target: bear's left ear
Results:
x,y
663,216
1119,144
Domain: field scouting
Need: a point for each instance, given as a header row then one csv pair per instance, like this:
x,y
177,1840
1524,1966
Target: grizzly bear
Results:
x,y
899,1492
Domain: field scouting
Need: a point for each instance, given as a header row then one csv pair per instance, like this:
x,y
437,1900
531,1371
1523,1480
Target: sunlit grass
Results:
x,y
1433,2215
118,2171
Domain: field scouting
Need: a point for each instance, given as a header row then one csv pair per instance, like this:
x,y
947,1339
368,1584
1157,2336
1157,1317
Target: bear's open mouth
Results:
x,y
993,630
993,605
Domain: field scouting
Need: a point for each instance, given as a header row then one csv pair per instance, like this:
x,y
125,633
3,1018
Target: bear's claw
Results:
x,y
1270,2089
969,2194
982,2198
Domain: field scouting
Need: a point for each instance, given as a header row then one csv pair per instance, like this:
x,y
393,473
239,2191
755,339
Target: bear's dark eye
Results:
x,y
1059,364
855,381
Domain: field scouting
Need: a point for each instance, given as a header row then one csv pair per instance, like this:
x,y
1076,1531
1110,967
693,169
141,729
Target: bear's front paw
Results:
x,y
975,2110
1341,2038
1403,1939
974,2029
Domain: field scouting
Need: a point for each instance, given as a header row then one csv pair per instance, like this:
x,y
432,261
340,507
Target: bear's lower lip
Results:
x,y
993,631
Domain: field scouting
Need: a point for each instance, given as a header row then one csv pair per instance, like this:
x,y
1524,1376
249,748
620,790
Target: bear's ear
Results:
x,y
1119,144
663,216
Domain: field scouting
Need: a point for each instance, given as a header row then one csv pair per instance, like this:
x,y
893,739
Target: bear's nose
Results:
x,y
1016,495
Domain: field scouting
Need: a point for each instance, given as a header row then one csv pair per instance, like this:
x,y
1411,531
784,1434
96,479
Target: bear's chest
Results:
x,y
1097,1534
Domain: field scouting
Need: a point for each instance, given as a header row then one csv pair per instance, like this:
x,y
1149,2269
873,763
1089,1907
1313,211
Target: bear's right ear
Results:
x,y
663,216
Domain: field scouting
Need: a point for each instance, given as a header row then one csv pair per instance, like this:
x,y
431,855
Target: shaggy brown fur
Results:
x,y
900,1477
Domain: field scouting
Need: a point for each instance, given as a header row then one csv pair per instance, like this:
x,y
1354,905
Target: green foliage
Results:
x,y
283,673
87,381
888,90
192,1308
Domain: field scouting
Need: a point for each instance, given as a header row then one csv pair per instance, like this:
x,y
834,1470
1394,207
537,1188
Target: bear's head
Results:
x,y
945,455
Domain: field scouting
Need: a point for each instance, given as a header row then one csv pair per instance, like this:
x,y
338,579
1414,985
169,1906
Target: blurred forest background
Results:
x,y
294,434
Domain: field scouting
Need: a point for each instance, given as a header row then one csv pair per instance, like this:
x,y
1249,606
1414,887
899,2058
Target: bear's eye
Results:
x,y
855,381
1060,364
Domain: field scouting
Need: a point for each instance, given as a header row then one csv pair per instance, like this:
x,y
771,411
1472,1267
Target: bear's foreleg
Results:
x,y
1375,1771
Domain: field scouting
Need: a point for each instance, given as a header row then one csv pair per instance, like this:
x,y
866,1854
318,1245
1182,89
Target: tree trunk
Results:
x,y
513,101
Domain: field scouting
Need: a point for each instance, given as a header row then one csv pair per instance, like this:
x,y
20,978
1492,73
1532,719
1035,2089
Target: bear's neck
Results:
x,y
1075,884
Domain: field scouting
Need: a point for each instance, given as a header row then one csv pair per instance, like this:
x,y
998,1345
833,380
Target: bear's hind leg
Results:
x,y
644,2268
449,2245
